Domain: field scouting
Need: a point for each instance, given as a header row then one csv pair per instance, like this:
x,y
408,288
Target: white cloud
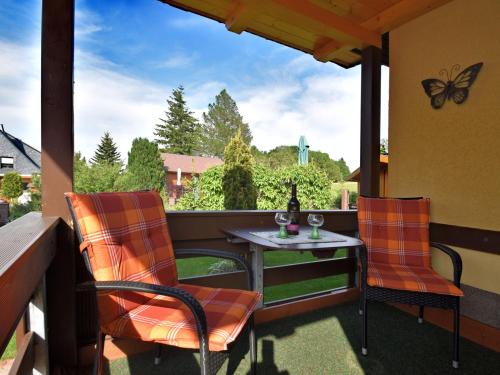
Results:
x,y
20,91
87,23
178,60
104,99
107,100
189,21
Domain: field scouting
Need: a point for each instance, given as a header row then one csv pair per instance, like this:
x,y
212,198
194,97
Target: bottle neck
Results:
x,y
294,191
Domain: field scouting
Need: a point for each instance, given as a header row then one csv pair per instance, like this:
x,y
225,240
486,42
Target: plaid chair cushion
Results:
x,y
168,321
410,278
395,231
127,238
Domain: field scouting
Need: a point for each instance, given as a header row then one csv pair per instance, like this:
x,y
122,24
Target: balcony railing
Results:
x,y
26,251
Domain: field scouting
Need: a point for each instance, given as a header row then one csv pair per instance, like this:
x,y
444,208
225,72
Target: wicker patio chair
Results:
x,y
396,261
125,242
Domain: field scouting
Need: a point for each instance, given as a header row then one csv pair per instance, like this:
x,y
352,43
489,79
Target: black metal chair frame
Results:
x,y
210,362
421,299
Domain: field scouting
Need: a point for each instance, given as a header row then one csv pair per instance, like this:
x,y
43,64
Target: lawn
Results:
x,y
10,351
200,265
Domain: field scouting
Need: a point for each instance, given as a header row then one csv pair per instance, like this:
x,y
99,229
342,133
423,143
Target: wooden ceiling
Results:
x,y
330,30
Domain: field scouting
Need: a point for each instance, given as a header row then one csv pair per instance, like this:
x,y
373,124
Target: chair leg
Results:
x,y
99,351
204,359
158,350
456,335
364,346
421,314
360,311
253,346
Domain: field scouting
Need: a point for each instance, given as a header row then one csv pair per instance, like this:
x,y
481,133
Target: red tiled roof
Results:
x,y
189,164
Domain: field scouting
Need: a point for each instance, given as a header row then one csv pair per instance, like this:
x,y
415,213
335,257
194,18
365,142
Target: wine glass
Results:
x,y
315,221
282,219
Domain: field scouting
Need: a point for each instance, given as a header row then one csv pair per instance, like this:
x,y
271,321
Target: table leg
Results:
x,y
258,270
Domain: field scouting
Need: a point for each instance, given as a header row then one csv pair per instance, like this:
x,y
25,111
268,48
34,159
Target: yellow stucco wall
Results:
x,y
451,155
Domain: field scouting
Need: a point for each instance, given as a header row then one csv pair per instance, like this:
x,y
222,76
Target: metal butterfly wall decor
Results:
x,y
456,89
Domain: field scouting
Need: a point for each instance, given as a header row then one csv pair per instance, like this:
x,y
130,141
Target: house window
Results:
x,y
6,162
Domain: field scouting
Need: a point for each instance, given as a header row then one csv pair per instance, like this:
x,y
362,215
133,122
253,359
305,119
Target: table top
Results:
x,y
246,235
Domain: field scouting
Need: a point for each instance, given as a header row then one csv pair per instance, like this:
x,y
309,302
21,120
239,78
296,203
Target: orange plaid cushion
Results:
x,y
395,231
127,238
168,321
410,278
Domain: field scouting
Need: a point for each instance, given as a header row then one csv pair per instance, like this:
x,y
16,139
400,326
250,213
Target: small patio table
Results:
x,y
260,239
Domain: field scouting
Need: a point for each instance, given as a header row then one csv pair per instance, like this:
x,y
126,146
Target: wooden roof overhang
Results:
x,y
329,30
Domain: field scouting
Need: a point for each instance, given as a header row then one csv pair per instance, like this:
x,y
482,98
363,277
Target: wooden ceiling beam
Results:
x,y
324,51
238,18
330,19
399,13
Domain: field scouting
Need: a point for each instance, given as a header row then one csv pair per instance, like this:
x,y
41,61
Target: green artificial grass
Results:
x,y
199,266
328,341
10,350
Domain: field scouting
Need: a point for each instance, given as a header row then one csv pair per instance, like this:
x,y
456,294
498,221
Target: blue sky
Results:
x,y
129,55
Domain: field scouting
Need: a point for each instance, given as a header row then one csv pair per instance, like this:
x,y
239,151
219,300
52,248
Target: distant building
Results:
x,y
182,167
17,156
384,164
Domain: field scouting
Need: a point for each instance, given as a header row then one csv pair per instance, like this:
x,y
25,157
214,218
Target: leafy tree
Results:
x,y
36,192
237,182
179,132
344,169
35,204
145,169
384,146
107,152
282,156
286,156
221,123
95,177
12,185
327,165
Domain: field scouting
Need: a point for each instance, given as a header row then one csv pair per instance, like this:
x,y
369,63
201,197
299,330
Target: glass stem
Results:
x,y
315,233
283,233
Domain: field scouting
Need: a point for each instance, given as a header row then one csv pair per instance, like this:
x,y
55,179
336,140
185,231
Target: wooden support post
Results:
x,y
344,199
57,173
370,122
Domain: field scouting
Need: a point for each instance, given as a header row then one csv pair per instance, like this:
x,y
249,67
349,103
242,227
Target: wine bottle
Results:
x,y
293,212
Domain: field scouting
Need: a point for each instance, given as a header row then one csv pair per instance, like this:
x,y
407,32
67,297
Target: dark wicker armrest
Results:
x,y
363,257
455,258
220,254
181,295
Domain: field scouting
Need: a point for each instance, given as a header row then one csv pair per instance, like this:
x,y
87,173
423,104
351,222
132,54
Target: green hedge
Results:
x,y
273,189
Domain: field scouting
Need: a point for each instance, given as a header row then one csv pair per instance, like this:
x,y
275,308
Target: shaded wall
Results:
x,y
451,155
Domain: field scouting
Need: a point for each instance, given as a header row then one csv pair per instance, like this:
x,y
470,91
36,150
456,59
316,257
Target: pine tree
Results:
x,y
107,152
179,132
221,124
240,192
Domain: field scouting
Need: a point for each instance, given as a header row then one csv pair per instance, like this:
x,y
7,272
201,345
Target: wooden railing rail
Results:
x,y
27,247
278,275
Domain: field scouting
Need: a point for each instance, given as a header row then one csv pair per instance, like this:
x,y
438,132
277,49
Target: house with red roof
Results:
x,y
181,168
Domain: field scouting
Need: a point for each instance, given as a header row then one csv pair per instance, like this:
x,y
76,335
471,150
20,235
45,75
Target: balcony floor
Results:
x,y
328,341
